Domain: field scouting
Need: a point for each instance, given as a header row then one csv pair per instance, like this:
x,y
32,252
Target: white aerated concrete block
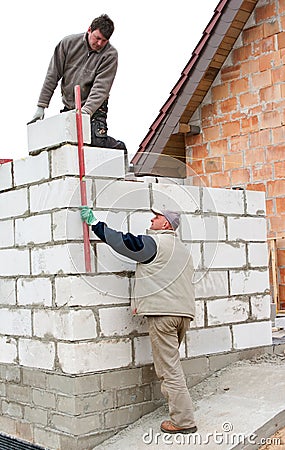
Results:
x,y
8,350
208,228
280,322
140,222
120,322
260,307
6,233
91,290
211,284
31,169
253,334
255,203
99,162
33,230
196,253
258,254
13,203
176,197
34,291
248,282
85,357
67,224
110,261
224,255
15,322
247,228
209,340
143,351
199,320
6,181
114,219
14,262
223,201
57,130
8,291
36,354
122,195
65,325
66,258
60,193
227,310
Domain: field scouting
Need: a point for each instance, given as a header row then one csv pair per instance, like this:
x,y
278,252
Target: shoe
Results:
x,y
168,427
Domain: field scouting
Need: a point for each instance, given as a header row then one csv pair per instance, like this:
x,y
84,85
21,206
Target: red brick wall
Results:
x,y
242,140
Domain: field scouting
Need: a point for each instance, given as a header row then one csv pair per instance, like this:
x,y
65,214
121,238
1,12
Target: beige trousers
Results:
x,y
166,334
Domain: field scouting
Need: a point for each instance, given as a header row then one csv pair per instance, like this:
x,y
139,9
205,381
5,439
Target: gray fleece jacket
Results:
x,y
73,63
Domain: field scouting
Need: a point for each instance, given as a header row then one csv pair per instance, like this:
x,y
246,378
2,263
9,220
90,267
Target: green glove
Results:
x,y
39,115
87,215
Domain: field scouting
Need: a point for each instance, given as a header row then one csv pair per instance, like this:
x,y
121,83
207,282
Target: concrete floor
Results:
x,y
231,406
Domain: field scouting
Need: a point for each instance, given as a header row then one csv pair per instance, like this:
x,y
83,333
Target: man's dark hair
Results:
x,y
104,24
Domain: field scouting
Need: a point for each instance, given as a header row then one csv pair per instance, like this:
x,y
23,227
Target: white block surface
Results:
x,y
37,354
143,351
91,290
110,261
60,193
57,130
258,254
8,291
13,203
65,325
176,197
122,195
208,228
199,320
209,340
15,322
33,230
5,176
99,162
6,233
247,228
227,310
120,322
248,282
211,284
223,201
196,253
250,335
14,262
8,350
94,356
31,169
34,291
66,258
224,255
260,307
140,222
255,203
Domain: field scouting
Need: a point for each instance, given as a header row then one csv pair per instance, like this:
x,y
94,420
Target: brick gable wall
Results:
x,y
242,140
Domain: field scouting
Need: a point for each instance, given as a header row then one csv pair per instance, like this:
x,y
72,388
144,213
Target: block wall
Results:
x,y
242,121
75,366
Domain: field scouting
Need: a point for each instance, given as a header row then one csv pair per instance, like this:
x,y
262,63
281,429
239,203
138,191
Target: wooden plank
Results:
x,y
272,244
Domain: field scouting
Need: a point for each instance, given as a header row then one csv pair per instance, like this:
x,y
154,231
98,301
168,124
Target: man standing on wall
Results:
x,y
89,60
163,293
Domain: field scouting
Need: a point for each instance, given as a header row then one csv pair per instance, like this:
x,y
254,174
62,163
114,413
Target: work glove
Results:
x,y
87,215
39,114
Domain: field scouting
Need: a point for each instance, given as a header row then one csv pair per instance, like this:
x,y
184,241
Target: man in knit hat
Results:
x,y
164,294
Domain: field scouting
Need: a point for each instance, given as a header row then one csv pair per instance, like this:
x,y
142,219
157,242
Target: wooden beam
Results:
x,y
185,128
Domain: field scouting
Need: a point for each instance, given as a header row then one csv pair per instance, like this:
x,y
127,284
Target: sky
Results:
x,y
154,39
